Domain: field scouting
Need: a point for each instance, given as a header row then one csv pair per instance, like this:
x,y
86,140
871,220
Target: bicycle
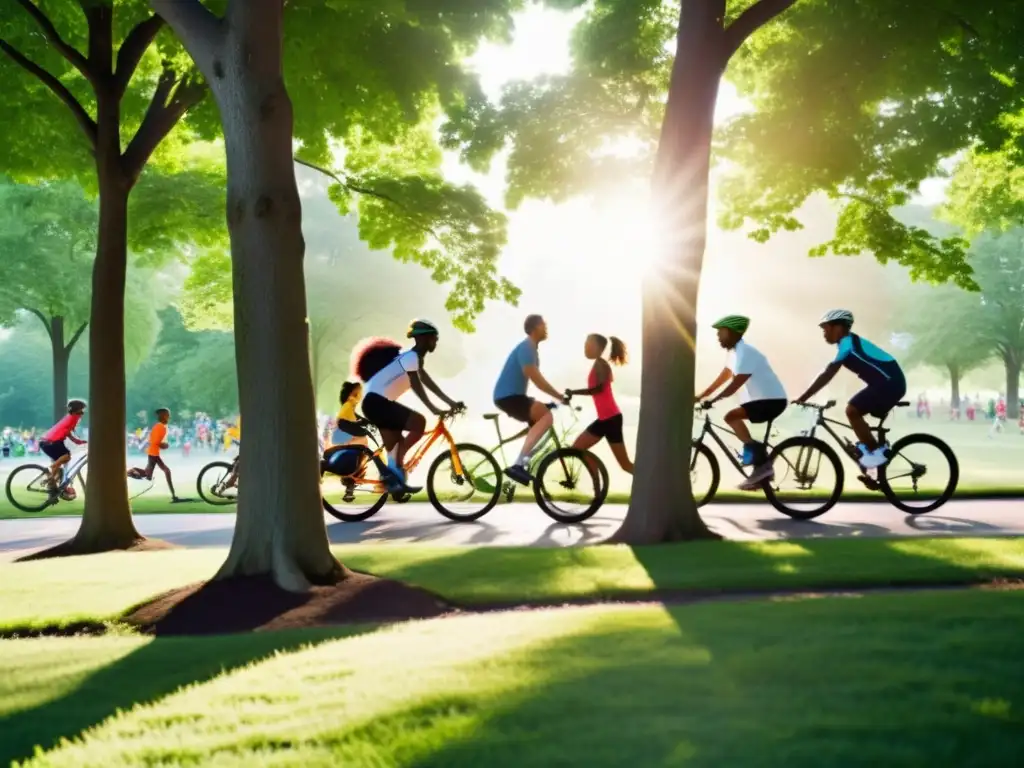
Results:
x,y
700,450
215,485
40,485
804,475
466,474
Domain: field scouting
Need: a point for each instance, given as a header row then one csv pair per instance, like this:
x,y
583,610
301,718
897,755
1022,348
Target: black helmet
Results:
x,y
76,405
421,328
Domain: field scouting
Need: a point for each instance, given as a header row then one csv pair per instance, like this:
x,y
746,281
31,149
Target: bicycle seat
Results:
x,y
491,416
902,403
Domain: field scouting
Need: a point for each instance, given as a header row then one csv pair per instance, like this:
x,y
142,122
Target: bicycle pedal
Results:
x,y
869,482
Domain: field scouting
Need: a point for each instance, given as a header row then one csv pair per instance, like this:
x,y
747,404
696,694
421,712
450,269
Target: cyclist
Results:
x,y
53,445
762,396
346,425
388,382
886,385
608,424
522,367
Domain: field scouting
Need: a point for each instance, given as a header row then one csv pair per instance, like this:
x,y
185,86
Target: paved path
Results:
x,y
525,524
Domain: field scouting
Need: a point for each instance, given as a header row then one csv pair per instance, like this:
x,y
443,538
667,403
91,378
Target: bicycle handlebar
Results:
x,y
816,406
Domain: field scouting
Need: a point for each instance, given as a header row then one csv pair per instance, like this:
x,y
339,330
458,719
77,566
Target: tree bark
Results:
x,y
107,521
280,526
1012,363
60,357
661,507
954,385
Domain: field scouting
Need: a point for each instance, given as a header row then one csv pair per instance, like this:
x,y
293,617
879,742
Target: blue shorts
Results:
x,y
878,399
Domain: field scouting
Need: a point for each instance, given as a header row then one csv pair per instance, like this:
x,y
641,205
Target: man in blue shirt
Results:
x,y
886,385
522,367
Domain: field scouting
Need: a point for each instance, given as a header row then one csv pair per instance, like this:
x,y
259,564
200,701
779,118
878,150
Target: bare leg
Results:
x,y
619,452
737,421
415,427
56,467
170,484
542,420
861,428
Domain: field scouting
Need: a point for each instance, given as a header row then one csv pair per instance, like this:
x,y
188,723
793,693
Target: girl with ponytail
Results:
x,y
608,424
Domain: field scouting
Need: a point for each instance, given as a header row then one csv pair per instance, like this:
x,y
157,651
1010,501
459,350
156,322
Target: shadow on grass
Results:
x,y
895,680
154,670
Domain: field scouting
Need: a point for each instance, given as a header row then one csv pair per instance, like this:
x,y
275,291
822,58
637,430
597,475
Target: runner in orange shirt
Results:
x,y
157,442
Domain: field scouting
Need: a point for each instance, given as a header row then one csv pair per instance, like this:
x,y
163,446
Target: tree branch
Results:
x,y
74,339
362,190
43,320
86,123
133,49
161,116
751,20
74,57
199,30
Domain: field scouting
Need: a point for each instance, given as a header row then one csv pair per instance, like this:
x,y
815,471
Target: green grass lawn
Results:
x,y
908,679
101,588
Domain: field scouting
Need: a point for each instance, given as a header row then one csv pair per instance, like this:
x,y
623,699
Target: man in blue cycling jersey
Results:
x,y
886,385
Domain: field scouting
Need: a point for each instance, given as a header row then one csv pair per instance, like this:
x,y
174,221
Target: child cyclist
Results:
x,y
53,445
157,443
608,424
762,396
882,375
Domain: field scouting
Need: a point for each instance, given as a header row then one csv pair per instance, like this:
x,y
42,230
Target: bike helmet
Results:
x,y
76,405
843,316
421,328
737,323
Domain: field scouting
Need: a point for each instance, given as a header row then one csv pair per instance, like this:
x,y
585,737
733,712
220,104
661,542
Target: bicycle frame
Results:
x,y
712,429
539,450
829,426
439,432
72,471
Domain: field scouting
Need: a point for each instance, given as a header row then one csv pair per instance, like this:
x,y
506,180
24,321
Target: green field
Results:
x,y
907,679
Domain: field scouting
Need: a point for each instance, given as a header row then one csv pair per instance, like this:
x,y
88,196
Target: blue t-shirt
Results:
x,y
871,364
512,380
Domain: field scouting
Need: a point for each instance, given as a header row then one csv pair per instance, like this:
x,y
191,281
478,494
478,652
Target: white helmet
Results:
x,y
837,316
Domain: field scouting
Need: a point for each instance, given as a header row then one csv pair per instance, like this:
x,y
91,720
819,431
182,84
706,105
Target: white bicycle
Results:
x,y
30,489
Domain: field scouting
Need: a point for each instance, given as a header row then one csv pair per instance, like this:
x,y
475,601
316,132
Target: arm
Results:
x,y
75,439
602,379
723,377
533,374
417,386
821,382
734,386
429,384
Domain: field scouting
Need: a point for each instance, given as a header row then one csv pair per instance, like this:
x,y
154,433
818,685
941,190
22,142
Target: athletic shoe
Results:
x,y
761,473
519,473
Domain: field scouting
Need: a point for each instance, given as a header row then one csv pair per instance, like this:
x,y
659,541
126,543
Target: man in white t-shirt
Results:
x,y
401,427
762,396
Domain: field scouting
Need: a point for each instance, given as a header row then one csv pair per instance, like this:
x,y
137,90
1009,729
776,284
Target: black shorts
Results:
x,y
55,450
152,462
610,429
878,399
516,406
760,411
386,414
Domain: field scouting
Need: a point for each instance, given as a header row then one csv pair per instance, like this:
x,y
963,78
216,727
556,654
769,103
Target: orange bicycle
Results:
x,y
353,487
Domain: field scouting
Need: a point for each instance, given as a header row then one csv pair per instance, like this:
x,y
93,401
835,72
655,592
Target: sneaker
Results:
x,y
874,459
761,473
395,482
748,456
519,473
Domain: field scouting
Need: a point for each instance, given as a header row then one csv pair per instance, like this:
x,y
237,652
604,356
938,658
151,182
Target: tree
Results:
x,y
280,527
946,325
840,92
57,86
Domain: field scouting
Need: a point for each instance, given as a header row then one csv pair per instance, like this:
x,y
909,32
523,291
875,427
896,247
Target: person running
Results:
x,y
157,442
999,419
389,373
886,384
522,367
53,442
608,424
762,396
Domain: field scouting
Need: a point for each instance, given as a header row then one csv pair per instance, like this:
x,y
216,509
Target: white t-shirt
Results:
x,y
763,384
392,381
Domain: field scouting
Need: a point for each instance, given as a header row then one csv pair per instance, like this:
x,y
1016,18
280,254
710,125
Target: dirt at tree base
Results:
x,y
256,603
72,548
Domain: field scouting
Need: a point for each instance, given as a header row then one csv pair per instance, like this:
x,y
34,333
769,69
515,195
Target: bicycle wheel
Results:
x,y
469,495
703,479
808,478
210,484
901,477
27,488
570,485
357,497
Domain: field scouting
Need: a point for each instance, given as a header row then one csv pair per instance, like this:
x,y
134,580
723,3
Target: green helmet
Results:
x,y
737,323
421,327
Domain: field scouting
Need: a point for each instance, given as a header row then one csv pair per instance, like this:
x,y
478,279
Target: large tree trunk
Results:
x,y
107,520
280,526
1013,364
954,385
60,355
661,507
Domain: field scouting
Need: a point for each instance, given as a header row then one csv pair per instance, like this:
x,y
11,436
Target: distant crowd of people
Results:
x,y
992,411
